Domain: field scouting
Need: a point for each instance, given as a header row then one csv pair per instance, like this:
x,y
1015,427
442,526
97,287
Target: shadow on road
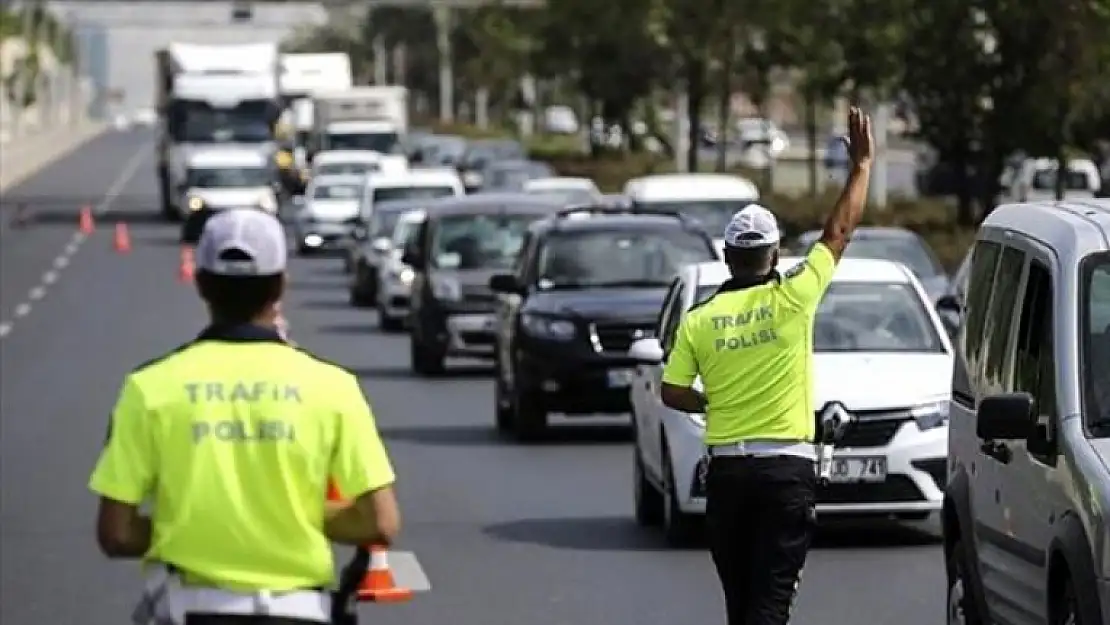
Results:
x,y
623,534
487,436
314,286
325,304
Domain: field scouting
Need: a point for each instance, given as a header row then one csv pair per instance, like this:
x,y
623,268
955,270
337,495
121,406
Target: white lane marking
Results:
x,y
61,261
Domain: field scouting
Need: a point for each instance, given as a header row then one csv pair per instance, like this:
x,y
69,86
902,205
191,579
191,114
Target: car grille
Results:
x,y
617,337
896,488
873,428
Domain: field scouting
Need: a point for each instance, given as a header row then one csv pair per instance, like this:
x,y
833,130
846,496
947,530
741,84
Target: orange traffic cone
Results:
x,y
378,584
122,239
85,223
185,268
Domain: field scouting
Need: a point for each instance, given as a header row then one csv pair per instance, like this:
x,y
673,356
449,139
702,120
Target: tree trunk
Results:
x,y
724,110
811,139
695,95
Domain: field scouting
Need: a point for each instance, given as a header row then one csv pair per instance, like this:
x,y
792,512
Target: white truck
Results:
x,y
361,118
303,76
212,95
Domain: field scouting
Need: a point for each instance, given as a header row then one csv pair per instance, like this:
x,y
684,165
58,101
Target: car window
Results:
x,y
381,194
1034,372
405,233
665,310
383,222
479,241
874,317
674,319
336,192
615,258
996,365
1096,343
984,262
1074,180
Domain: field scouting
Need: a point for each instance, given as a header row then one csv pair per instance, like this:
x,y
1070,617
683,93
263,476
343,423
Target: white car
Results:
x,y
569,188
328,214
227,177
413,184
395,277
881,353
356,162
709,198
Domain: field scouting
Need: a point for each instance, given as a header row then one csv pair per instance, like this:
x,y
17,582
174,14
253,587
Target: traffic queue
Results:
x,y
574,297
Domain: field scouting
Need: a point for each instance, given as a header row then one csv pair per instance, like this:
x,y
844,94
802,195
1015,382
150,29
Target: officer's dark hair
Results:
x,y
751,261
238,299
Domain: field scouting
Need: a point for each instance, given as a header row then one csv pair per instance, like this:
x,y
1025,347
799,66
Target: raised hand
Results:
x,y
860,143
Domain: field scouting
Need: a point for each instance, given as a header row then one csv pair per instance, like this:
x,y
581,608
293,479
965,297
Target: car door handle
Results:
x,y
999,451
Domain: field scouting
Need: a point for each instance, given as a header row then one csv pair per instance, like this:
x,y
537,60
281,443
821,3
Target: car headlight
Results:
x,y
547,327
406,275
195,203
446,289
931,415
267,203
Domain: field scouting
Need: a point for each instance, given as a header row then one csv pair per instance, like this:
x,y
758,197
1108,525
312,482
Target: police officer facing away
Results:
x,y
752,346
233,438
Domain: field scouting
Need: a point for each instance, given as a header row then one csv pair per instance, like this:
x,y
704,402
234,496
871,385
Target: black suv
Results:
x,y
460,245
589,282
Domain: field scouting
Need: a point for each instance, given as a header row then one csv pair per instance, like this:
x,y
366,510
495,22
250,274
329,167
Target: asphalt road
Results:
x,y
508,534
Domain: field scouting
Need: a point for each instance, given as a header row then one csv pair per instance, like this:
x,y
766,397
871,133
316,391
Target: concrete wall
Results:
x,y
120,38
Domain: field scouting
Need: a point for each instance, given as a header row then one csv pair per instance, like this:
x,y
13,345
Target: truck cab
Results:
x,y
222,178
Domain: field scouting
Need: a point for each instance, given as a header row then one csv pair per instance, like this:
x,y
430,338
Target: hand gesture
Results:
x,y
859,142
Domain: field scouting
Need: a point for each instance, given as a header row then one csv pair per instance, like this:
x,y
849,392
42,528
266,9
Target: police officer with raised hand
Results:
x,y
233,438
751,344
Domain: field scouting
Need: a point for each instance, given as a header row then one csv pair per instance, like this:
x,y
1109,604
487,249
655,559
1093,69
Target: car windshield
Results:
x,y
1045,179
481,155
479,241
228,177
382,194
603,258
346,169
383,222
712,214
337,192
381,142
198,123
874,317
908,250
1096,341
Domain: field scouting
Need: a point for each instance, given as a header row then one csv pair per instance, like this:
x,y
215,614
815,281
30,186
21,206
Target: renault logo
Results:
x,y
835,417
638,334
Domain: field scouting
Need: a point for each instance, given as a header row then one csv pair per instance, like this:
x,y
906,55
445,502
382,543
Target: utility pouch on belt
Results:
x,y
345,598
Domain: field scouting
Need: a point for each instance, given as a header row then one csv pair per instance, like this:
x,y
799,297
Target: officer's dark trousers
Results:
x,y
760,520
233,619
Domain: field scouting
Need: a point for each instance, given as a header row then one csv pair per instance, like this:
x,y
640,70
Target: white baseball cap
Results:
x,y
752,226
242,242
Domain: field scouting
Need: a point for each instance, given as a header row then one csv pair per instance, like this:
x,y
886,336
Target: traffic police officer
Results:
x,y
233,438
751,344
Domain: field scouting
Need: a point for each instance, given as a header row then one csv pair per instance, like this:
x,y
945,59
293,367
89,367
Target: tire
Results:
x,y
961,608
389,323
679,528
648,500
1067,612
529,417
502,406
425,360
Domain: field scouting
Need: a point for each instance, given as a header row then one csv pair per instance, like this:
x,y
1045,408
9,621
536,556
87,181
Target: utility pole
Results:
x,y
444,19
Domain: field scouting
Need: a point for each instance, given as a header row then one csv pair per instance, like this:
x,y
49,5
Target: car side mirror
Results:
x,y
1005,417
382,245
949,303
413,257
646,351
504,283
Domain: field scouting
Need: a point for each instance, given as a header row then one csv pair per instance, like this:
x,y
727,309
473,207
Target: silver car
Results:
x,y
1026,532
394,276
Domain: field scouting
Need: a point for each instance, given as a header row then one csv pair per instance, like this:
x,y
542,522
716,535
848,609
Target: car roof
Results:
x,y
847,270
612,221
560,182
425,176
228,157
867,232
347,156
488,203
327,179
403,205
413,216
1072,228
699,186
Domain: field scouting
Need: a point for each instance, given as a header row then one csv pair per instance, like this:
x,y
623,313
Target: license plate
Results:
x,y
472,323
619,378
867,469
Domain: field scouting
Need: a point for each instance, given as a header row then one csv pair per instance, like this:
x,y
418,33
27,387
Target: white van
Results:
x,y
711,199
356,162
411,184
